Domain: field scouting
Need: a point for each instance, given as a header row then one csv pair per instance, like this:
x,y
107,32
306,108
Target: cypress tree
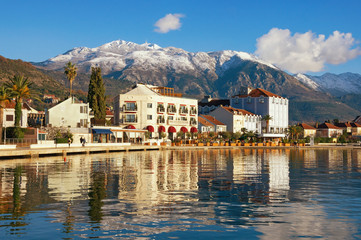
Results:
x,y
96,94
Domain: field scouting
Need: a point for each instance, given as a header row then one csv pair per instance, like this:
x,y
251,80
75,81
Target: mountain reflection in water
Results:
x,y
238,193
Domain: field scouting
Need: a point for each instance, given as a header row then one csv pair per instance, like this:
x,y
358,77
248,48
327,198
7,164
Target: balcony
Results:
x,y
178,122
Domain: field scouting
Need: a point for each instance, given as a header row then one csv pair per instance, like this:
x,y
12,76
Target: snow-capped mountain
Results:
x,y
196,74
335,84
119,55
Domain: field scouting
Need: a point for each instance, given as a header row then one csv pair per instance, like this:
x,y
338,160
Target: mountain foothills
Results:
x,y
219,74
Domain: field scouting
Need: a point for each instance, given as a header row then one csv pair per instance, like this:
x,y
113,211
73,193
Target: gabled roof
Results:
x,y
344,125
204,122
215,102
355,125
306,126
11,104
259,92
212,119
141,89
236,111
328,126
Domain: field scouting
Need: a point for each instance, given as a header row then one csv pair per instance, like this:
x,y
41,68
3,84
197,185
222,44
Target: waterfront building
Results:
x,y
208,104
70,113
308,131
356,129
218,126
236,119
204,126
346,127
9,114
156,109
262,102
328,130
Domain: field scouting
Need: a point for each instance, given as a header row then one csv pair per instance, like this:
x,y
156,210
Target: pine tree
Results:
x,y
96,94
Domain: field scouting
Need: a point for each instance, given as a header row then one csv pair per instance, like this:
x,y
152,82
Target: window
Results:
x,y
83,109
130,118
149,105
149,117
131,106
170,117
9,117
261,99
183,118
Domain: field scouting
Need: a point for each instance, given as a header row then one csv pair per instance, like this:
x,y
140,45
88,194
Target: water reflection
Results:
x,y
260,193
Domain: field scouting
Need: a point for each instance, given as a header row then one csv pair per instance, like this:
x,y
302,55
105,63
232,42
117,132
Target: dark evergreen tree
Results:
x,y
96,94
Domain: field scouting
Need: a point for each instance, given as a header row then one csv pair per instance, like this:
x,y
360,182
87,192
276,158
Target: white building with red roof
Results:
x,y
236,119
9,114
217,125
262,102
308,131
156,109
328,130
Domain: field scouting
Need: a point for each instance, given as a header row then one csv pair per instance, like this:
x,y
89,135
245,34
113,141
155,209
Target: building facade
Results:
x,y
71,113
157,109
262,102
328,130
308,131
9,115
237,119
218,126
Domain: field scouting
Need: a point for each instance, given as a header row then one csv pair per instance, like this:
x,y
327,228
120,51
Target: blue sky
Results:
x,y
38,30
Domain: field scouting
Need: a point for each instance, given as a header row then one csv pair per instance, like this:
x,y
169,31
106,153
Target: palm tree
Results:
x,y
70,72
19,87
5,97
267,118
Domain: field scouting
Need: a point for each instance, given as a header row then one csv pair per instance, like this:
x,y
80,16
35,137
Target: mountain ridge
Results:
x,y
195,74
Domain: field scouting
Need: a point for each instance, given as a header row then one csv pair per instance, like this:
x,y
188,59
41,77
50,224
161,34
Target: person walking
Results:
x,y
69,141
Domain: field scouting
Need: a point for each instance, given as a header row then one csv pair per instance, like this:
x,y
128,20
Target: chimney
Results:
x,y
245,90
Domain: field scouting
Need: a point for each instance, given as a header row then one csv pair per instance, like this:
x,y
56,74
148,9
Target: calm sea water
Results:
x,y
197,194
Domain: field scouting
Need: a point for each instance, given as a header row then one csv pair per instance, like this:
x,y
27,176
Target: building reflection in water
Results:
x,y
269,189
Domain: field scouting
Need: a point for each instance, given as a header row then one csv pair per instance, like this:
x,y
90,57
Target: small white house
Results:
x,y
70,113
9,115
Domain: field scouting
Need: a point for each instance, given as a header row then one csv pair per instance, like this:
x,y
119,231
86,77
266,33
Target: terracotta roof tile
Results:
x,y
355,125
328,125
344,125
212,120
238,111
204,122
259,92
306,126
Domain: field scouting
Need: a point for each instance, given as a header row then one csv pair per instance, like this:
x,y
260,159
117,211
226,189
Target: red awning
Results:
x,y
184,129
130,127
172,130
194,129
161,129
150,128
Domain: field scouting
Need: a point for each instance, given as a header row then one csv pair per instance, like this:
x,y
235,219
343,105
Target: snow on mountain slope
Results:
x,y
117,55
336,84
307,81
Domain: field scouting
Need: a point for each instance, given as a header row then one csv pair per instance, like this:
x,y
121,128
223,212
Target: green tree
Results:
x,y
5,97
20,90
96,94
70,71
267,118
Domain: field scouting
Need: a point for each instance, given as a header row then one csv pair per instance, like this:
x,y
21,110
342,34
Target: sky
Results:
x,y
298,36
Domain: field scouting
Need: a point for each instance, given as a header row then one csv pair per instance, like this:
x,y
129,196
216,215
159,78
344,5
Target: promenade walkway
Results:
x,y
64,151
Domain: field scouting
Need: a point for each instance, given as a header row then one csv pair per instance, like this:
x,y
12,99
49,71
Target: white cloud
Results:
x,y
306,52
169,22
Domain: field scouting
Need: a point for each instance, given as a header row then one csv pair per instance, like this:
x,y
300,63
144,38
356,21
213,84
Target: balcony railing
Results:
x,y
178,122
